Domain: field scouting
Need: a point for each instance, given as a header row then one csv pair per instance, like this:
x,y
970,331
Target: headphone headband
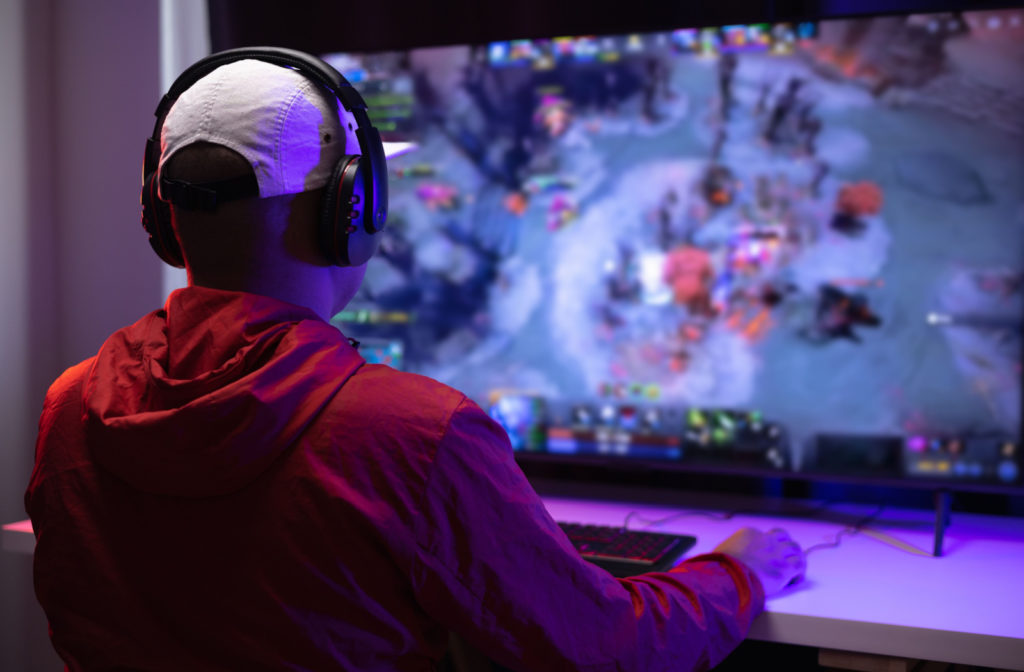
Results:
x,y
312,67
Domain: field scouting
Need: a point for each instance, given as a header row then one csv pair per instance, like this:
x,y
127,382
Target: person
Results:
x,y
228,485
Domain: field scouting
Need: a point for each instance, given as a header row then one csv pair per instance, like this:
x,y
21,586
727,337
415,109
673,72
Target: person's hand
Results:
x,y
773,556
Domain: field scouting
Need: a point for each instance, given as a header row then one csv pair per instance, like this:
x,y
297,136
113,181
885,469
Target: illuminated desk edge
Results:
x,y
902,641
18,538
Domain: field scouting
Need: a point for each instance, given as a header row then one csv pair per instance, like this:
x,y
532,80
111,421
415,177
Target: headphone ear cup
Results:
x,y
344,237
156,220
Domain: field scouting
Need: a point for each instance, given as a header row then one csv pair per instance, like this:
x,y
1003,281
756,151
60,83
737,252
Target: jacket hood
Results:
x,y
199,398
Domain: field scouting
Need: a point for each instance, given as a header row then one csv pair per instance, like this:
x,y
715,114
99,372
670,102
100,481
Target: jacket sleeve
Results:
x,y
492,565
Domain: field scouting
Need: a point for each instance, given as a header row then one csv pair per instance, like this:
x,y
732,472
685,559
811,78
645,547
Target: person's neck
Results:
x,y
309,288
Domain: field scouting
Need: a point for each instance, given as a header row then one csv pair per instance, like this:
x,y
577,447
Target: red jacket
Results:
x,y
227,485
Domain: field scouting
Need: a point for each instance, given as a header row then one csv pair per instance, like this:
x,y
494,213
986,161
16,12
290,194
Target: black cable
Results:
x,y
714,515
855,528
850,530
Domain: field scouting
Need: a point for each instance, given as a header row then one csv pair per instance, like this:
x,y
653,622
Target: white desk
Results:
x,y
864,596
17,537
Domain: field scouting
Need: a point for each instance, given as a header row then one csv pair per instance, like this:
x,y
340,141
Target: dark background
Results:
x,y
321,26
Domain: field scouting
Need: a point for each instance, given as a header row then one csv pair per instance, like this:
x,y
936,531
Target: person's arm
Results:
x,y
493,566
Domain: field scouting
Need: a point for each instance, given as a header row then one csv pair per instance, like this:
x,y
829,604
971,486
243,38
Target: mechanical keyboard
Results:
x,y
627,552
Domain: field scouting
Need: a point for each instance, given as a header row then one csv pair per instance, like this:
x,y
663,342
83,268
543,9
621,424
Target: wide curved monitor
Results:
x,y
775,248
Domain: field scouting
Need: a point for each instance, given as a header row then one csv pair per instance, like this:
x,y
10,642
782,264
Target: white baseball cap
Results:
x,y
288,128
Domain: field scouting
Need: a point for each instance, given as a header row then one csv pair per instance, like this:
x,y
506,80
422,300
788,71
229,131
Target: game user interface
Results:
x,y
789,247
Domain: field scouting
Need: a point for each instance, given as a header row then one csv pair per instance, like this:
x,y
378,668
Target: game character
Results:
x,y
438,196
516,202
855,200
1001,283
810,129
653,84
688,271
718,185
721,136
764,198
561,211
553,115
821,171
762,99
727,65
666,216
838,313
622,283
782,110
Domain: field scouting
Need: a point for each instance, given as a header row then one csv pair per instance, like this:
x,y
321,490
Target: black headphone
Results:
x,y
355,203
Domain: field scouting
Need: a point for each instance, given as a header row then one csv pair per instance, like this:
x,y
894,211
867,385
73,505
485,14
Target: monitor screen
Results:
x,y
786,247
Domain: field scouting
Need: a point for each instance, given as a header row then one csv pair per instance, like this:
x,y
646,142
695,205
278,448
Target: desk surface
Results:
x,y
865,595
869,596
17,537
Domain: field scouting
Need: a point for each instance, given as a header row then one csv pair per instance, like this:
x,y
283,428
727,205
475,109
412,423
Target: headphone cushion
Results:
x,y
156,220
344,237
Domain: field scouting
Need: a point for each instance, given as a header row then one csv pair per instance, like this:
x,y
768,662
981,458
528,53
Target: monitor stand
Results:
x,y
943,501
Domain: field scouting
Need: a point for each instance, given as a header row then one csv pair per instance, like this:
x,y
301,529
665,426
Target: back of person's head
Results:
x,y
267,156
235,239
267,128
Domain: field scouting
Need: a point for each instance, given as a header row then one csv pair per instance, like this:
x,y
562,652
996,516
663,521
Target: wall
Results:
x,y
184,39
80,81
